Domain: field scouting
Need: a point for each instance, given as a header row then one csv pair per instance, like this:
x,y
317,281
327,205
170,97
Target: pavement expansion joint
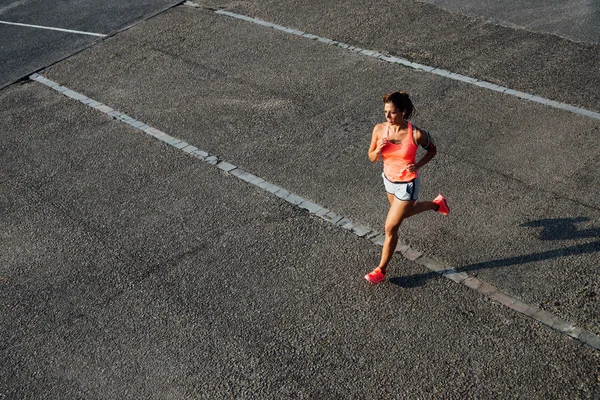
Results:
x,y
407,63
323,213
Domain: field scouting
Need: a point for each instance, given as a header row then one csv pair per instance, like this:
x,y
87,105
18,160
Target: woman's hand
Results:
x,y
381,143
377,143
412,168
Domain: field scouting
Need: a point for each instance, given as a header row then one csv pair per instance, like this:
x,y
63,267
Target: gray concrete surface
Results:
x,y
83,15
129,269
575,20
39,48
306,128
541,64
165,278
24,50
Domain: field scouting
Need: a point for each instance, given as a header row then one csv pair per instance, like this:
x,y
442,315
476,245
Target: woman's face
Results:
x,y
392,114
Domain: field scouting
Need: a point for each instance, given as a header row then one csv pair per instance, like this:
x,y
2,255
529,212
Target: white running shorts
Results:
x,y
404,191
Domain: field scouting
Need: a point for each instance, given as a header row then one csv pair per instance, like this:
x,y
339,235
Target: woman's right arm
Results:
x,y
377,144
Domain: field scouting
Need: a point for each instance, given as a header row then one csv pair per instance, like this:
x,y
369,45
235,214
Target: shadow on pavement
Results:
x,y
563,228
552,229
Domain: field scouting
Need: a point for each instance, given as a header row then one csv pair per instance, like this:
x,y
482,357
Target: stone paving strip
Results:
x,y
407,63
338,220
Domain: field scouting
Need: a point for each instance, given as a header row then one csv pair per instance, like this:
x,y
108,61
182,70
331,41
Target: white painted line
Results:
x,y
401,61
317,210
192,4
53,29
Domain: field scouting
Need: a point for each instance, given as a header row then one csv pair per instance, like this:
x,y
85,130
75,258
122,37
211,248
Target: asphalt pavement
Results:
x,y
24,50
542,64
132,270
575,20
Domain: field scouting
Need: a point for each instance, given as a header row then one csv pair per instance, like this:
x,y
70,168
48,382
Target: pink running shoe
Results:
x,y
442,203
375,276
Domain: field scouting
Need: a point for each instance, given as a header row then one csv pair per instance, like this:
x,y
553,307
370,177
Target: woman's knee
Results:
x,y
391,229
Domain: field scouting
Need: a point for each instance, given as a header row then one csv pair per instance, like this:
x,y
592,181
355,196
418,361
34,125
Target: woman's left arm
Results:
x,y
423,139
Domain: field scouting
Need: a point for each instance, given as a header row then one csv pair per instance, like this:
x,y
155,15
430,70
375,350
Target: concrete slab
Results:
x,y
577,21
30,49
318,150
218,321
532,62
216,288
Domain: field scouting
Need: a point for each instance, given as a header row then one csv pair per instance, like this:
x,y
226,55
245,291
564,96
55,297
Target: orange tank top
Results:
x,y
396,157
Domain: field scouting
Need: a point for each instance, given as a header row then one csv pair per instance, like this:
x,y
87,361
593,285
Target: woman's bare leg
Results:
x,y
418,206
421,206
399,210
391,198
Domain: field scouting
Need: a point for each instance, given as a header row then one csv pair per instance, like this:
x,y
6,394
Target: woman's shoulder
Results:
x,y
417,132
420,135
380,128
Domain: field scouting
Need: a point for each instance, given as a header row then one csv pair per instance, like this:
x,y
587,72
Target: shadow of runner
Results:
x,y
413,281
545,255
563,228
553,229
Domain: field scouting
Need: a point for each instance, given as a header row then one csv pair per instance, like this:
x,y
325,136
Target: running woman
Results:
x,y
396,141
